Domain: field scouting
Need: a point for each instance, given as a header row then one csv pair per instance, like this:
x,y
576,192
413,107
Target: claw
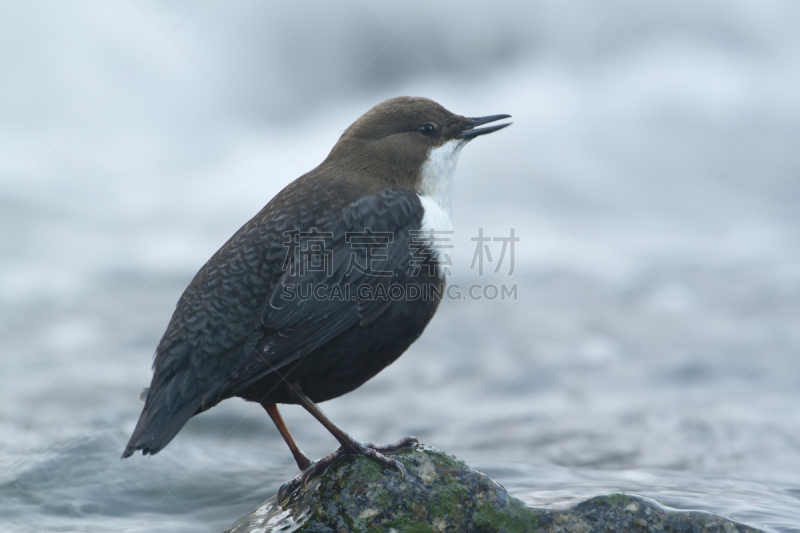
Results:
x,y
369,450
401,469
286,490
283,493
308,474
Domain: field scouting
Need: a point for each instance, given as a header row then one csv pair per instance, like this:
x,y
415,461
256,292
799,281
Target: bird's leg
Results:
x,y
349,444
303,462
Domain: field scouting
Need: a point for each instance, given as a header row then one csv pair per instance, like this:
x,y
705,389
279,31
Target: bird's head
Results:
x,y
409,142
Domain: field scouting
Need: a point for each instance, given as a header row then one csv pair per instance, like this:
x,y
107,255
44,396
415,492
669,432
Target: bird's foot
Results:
x,y
373,451
367,449
289,487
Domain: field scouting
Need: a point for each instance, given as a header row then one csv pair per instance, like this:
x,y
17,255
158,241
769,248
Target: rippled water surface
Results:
x,y
651,175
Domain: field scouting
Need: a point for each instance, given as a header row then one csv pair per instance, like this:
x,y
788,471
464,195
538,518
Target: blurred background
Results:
x,y
651,175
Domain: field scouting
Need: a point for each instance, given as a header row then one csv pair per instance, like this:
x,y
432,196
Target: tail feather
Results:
x,y
158,423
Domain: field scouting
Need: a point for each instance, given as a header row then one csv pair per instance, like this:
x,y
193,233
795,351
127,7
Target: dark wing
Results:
x,y
216,320
308,307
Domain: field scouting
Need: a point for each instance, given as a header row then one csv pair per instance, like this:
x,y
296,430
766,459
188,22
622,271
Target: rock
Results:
x,y
442,493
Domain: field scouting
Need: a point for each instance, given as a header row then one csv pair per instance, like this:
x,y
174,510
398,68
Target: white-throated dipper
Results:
x,y
313,296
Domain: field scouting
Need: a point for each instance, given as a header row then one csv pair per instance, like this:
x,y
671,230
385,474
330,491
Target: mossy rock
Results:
x,y
442,493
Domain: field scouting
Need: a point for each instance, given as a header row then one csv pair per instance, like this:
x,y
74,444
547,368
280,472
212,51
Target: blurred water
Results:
x,y
651,175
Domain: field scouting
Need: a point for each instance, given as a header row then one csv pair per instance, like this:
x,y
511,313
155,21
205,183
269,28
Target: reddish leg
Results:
x,y
303,462
350,446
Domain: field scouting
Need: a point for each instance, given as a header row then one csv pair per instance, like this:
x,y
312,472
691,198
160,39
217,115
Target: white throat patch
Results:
x,y
436,191
438,174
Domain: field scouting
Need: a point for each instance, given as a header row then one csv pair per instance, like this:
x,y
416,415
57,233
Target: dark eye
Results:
x,y
426,129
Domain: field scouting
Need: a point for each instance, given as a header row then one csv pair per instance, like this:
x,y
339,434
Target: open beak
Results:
x,y
470,131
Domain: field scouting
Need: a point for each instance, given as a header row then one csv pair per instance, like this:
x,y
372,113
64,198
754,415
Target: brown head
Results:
x,y
408,142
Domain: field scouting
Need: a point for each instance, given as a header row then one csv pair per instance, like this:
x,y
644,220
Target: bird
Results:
x,y
297,307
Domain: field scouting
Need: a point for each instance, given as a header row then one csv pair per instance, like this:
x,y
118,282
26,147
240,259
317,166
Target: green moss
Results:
x,y
614,500
449,498
516,517
383,499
